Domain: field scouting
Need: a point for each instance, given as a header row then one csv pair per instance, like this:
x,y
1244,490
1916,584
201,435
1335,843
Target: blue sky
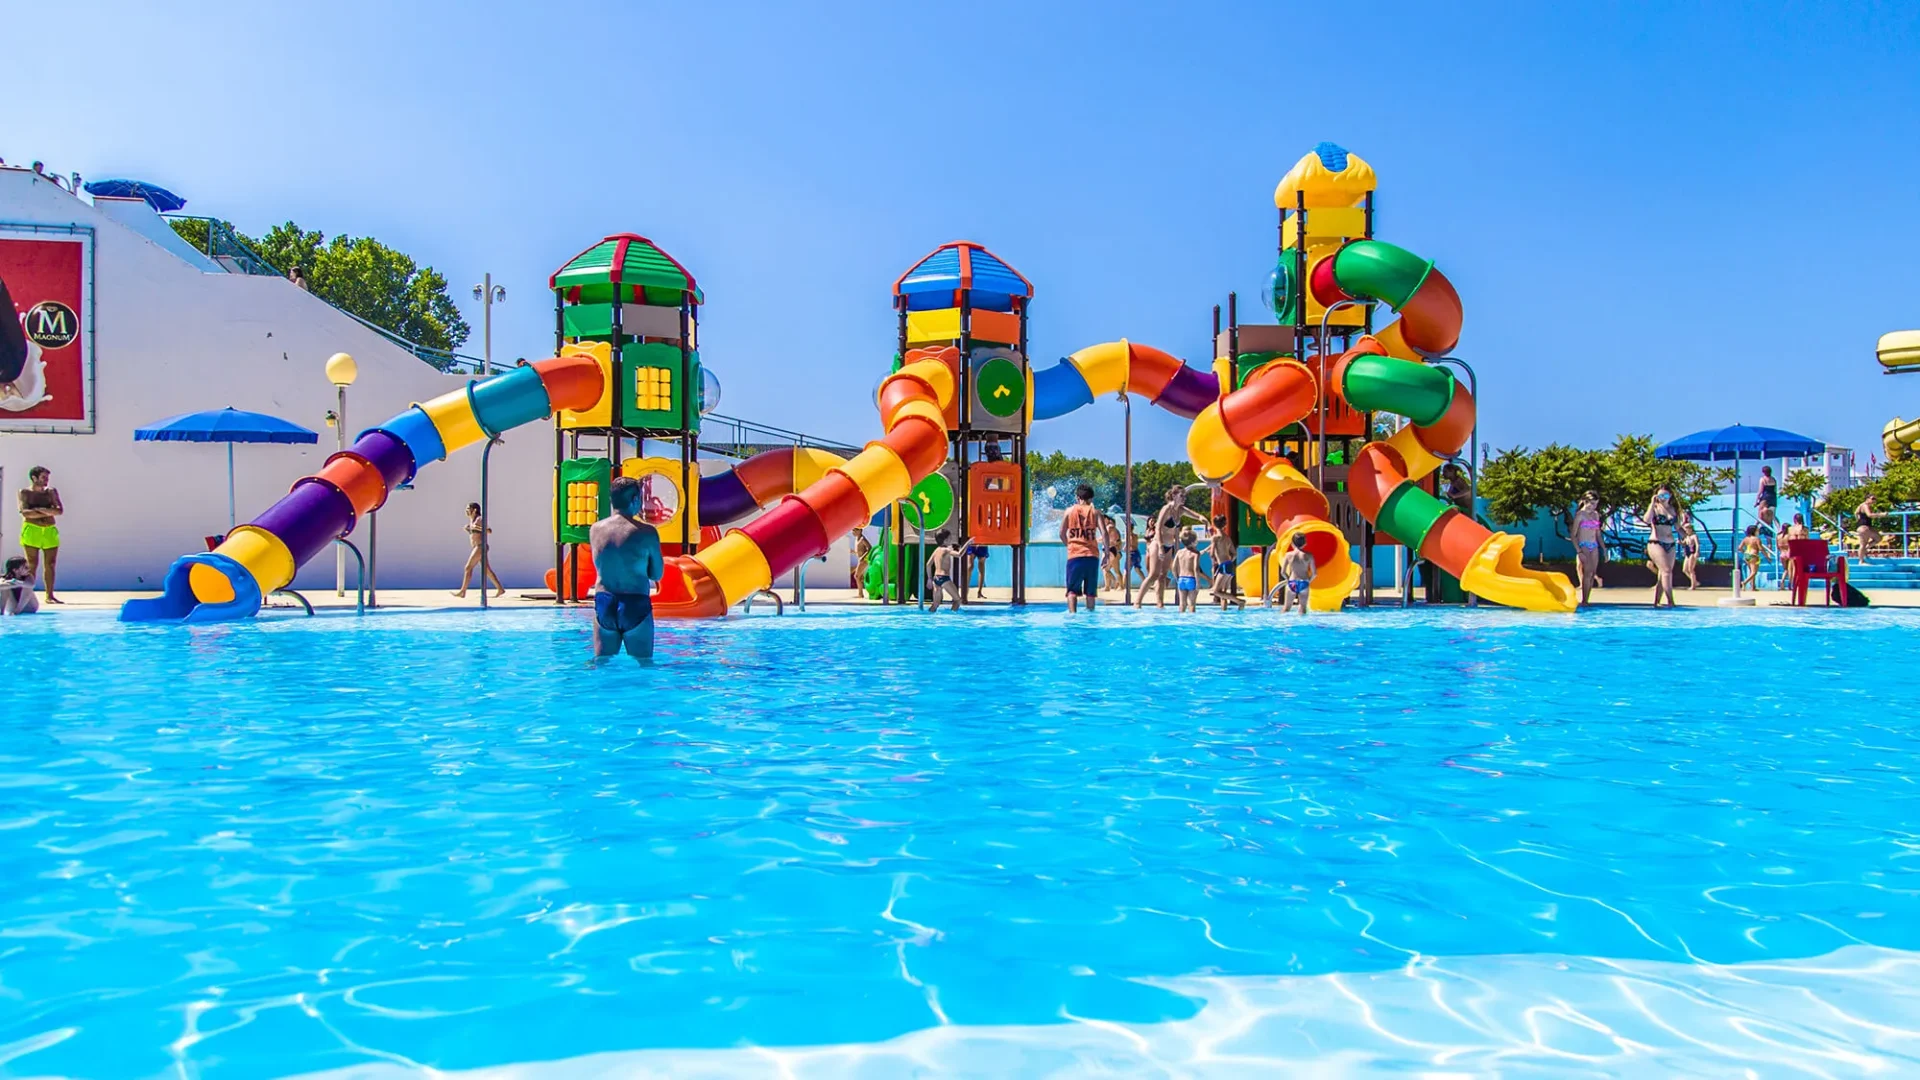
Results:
x,y
1660,217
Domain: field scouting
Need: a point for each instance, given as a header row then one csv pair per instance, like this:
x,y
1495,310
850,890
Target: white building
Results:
x,y
173,332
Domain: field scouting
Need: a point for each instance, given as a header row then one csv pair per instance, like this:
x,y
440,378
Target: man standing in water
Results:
x,y
1080,532
626,553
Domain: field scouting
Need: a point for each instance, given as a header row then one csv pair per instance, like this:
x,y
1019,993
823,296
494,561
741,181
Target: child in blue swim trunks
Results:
x,y
1186,574
1298,567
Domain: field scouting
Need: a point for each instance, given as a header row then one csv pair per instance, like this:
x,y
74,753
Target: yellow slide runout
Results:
x,y
738,566
1494,573
452,416
262,553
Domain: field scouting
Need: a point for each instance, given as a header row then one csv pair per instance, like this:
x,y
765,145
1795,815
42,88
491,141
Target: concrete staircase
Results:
x,y
1884,574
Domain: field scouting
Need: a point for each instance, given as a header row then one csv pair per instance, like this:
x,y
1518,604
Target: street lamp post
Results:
x,y
341,371
488,294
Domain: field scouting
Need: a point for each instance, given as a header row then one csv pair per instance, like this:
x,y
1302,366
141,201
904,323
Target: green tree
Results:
x,y
359,275
1520,483
1803,484
1898,483
1151,479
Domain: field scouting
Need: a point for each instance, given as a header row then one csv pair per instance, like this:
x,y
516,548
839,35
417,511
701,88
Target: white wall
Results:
x,y
170,339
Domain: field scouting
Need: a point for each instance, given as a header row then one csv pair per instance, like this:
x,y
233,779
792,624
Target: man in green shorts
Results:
x,y
40,509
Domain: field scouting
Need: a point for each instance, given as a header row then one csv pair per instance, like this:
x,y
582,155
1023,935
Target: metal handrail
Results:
x,y
360,584
486,458
304,602
779,606
1473,445
249,261
741,428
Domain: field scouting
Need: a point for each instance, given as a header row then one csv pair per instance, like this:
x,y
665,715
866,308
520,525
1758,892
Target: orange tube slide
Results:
x,y
748,559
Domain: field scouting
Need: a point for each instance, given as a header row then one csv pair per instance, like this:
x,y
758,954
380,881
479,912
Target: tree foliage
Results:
x,y
359,275
1803,484
1055,475
1898,483
1520,483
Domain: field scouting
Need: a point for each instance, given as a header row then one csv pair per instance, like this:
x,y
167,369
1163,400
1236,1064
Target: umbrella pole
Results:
x,y
1738,560
231,516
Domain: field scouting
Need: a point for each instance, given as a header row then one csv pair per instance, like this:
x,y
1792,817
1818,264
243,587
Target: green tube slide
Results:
x,y
1419,392
1409,514
1382,271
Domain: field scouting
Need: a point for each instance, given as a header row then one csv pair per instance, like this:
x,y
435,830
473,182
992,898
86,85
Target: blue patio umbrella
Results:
x,y
1740,443
162,200
1736,444
228,425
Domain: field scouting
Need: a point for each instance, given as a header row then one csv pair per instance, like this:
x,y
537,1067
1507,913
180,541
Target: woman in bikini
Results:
x,y
1662,516
479,540
1162,541
1588,535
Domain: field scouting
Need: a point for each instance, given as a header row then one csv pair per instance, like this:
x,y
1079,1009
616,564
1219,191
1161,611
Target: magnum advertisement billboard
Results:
x,y
46,330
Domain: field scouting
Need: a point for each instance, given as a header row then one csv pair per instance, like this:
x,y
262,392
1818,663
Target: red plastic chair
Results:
x,y
1810,561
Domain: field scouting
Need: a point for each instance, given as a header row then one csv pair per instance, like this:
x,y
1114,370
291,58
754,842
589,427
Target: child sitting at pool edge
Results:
x,y
16,589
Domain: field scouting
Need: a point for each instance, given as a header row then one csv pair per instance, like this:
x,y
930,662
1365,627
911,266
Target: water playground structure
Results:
x,y
1282,423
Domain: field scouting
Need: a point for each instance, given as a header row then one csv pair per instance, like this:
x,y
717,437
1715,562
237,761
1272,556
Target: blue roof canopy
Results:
x,y
931,282
1740,443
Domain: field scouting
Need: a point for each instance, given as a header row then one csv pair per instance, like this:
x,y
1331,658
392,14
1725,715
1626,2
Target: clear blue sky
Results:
x,y
1661,217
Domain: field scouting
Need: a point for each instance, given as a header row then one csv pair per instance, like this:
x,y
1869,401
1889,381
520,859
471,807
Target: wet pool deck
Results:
x,y
437,599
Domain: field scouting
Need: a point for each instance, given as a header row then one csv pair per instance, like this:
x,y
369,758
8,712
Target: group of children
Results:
x,y
1094,546
1173,557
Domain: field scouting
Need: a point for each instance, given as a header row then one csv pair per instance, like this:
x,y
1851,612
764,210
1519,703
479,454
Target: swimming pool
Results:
x,y
985,845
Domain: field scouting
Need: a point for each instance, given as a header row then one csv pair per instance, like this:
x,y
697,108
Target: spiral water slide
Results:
x,y
230,581
1277,395
1221,446
1389,372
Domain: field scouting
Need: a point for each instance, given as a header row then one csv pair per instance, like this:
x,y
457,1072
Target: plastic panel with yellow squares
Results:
x,y
586,496
653,396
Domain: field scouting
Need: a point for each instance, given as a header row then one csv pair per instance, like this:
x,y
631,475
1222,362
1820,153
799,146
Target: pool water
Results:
x,y
880,844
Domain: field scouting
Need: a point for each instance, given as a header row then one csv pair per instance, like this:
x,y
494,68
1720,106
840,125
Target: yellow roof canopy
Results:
x,y
1329,175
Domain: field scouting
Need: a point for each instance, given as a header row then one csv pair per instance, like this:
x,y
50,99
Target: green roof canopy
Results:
x,y
625,259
